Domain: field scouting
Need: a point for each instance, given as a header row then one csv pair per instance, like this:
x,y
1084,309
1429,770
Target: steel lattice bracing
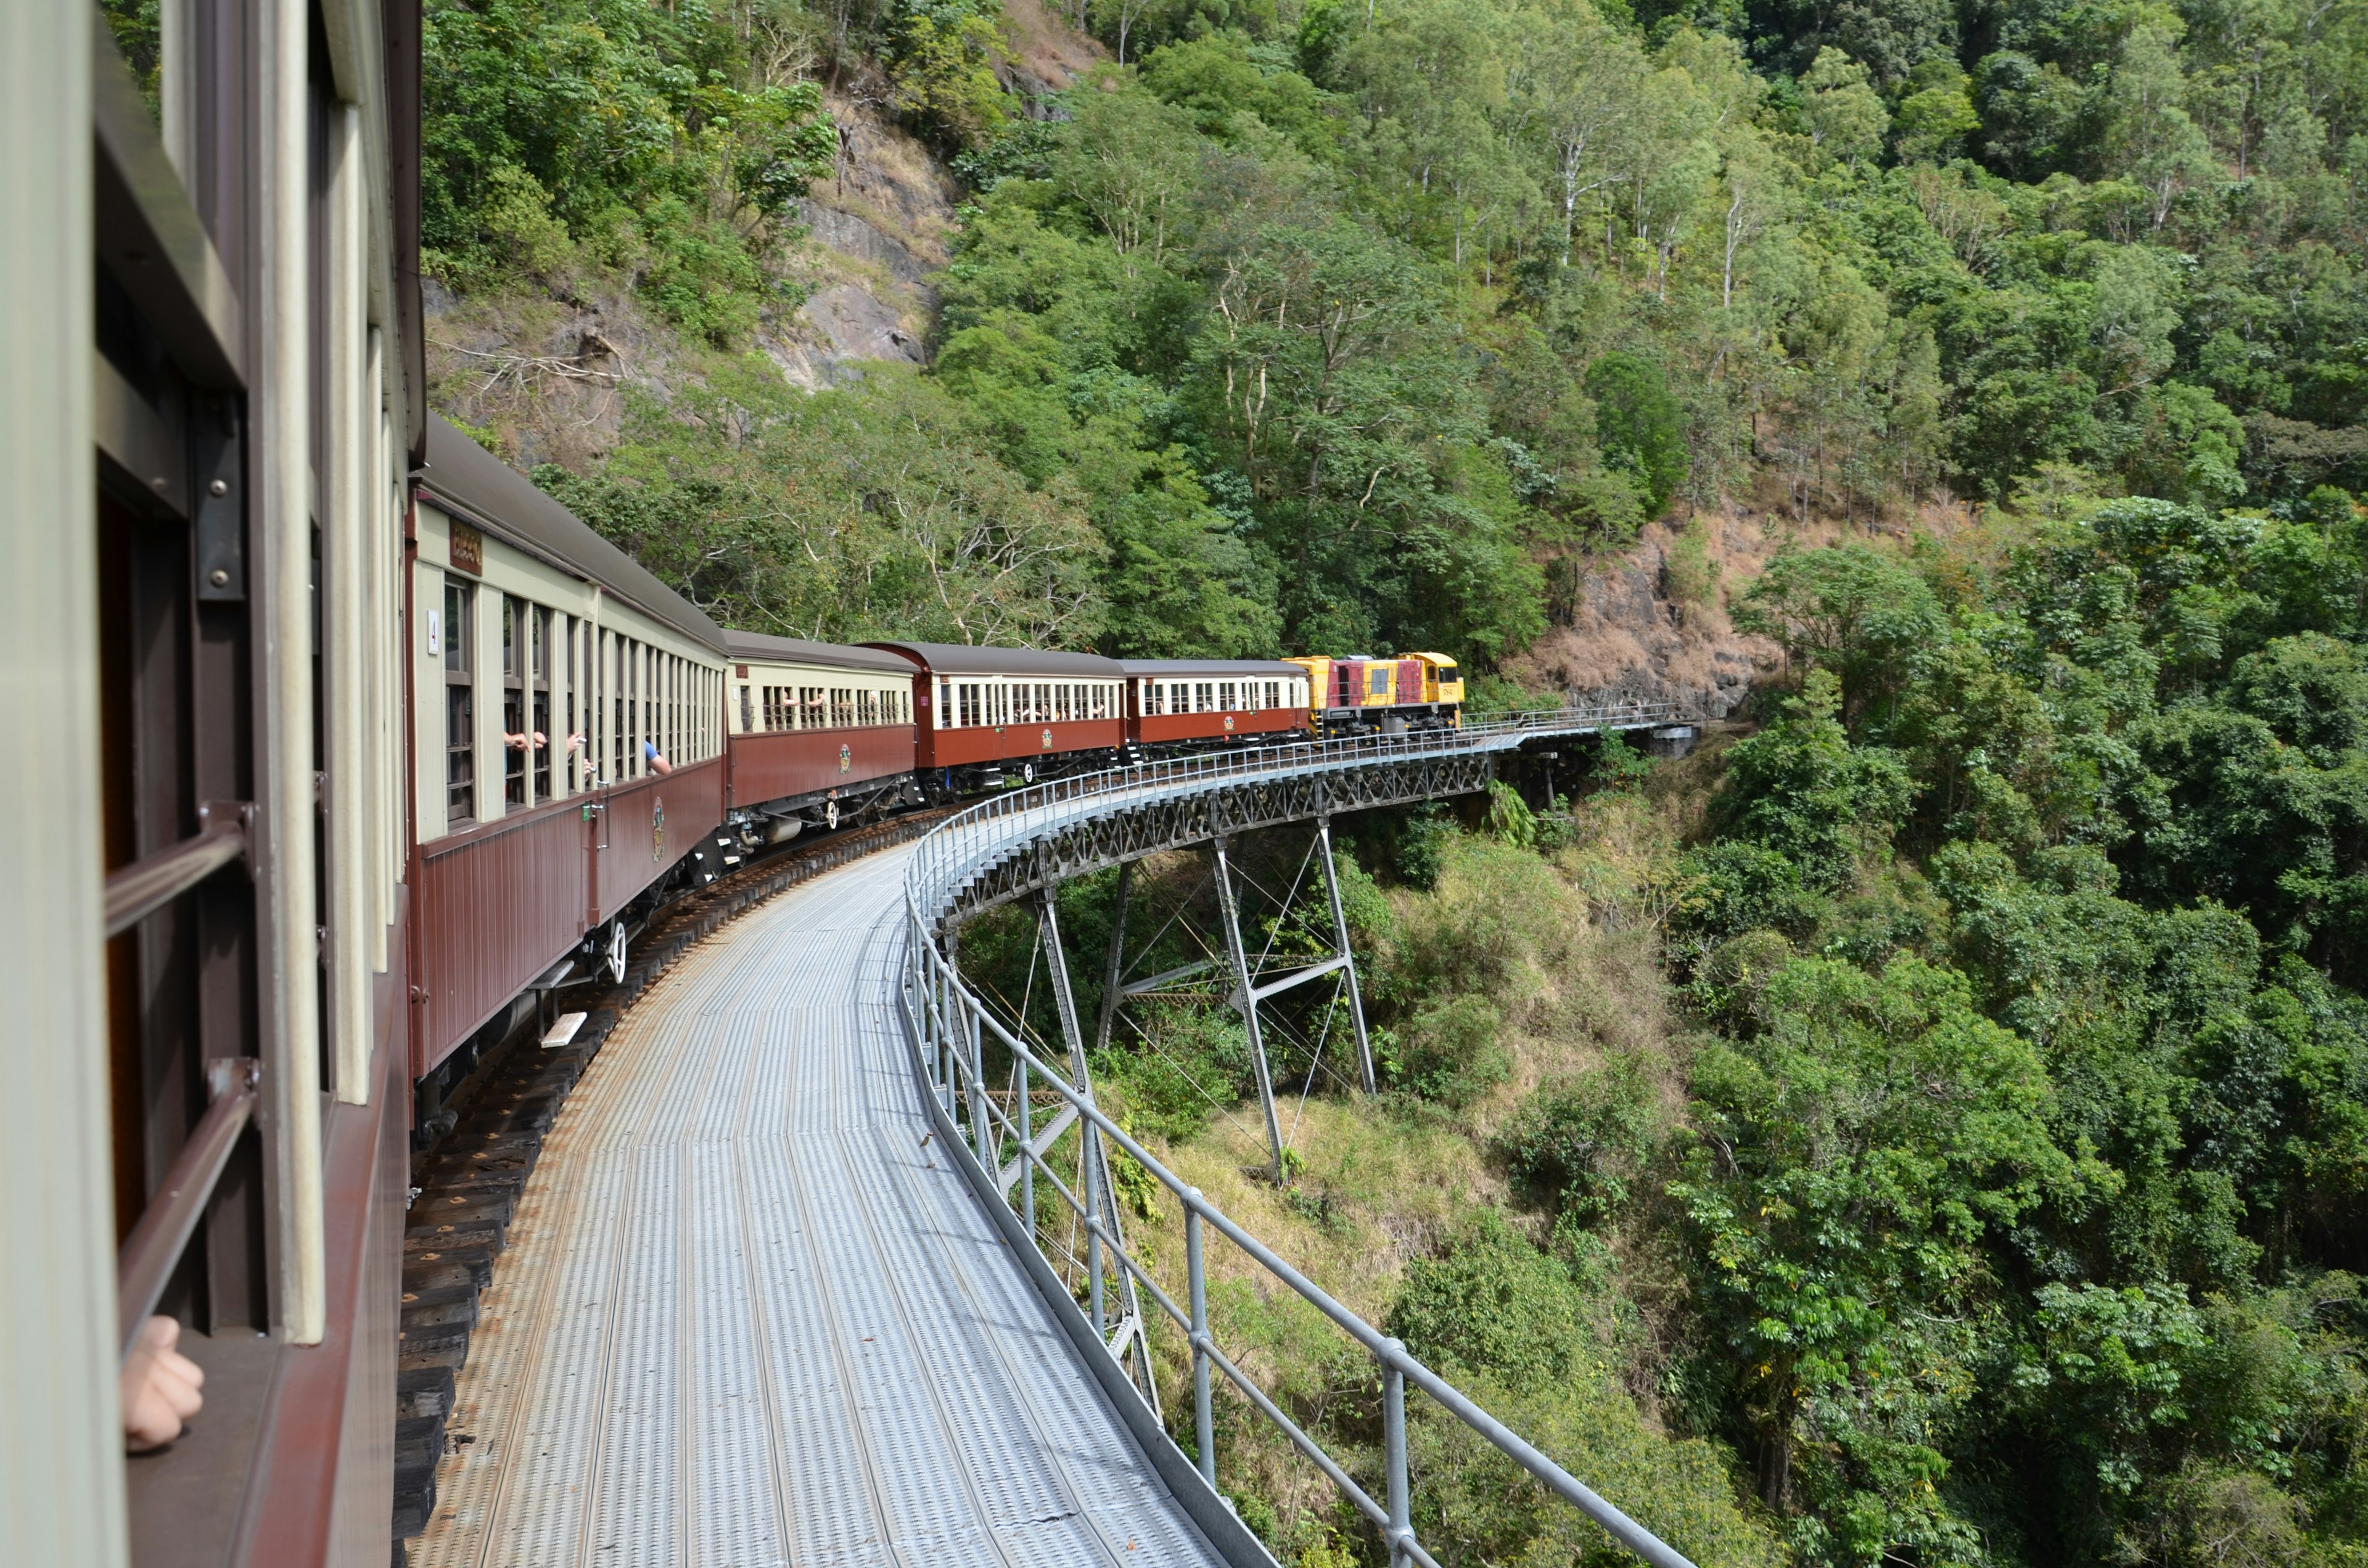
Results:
x,y
1184,818
1053,833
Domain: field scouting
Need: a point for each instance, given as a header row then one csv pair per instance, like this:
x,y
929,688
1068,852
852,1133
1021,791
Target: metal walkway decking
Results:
x,y
747,1317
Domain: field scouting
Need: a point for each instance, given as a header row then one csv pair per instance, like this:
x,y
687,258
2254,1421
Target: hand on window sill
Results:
x,y
159,1387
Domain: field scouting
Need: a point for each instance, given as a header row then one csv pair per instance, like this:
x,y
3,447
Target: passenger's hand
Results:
x,y
159,1387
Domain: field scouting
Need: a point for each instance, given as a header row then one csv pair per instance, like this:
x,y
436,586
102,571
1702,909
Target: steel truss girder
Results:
x,y
1179,821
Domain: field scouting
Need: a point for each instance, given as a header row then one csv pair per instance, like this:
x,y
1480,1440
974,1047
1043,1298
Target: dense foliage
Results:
x,y
1339,326
2023,1184
1997,1198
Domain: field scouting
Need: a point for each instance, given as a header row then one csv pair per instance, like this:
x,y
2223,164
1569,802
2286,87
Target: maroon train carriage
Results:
x,y
986,717
1183,704
820,732
530,856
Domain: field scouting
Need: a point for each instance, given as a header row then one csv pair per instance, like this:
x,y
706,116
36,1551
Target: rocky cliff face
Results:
x,y
545,370
874,234
1651,622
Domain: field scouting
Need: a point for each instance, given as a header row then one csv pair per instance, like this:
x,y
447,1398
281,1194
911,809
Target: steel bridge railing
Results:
x,y
947,1027
967,842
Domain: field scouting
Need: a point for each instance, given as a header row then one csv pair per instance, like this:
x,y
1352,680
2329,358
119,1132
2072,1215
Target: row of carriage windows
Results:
x,y
965,704
825,706
580,706
1171,697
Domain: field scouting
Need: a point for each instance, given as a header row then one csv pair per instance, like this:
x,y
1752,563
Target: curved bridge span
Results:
x,y
769,1298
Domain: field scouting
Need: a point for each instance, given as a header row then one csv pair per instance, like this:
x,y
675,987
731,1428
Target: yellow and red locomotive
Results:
x,y
1358,695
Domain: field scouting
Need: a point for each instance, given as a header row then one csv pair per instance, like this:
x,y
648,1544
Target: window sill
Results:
x,y
185,1500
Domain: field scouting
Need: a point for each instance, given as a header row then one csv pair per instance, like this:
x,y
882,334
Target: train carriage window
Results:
x,y
513,652
612,664
1225,695
459,705
538,704
749,707
637,711
1204,695
864,709
570,670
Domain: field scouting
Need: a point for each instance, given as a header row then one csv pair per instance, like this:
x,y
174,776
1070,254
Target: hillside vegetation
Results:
x,y
1362,326
1929,1126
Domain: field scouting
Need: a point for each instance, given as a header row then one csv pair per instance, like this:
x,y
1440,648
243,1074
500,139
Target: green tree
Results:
x,y
1801,788
1855,1156
1639,425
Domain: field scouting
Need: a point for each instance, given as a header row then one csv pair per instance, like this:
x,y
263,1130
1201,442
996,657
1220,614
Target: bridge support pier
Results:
x,y
1246,1002
1248,992
1348,955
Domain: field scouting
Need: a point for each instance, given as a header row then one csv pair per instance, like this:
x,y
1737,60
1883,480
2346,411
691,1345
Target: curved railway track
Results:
x,y
751,1316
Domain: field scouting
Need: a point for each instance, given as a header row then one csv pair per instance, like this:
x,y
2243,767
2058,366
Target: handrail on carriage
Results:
x,y
164,1229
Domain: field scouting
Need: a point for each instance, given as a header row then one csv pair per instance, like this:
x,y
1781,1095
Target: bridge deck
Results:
x,y
746,1317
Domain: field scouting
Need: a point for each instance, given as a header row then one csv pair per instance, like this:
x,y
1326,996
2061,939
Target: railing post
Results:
x,y
1205,1423
982,1126
1027,1157
1394,1446
1091,1169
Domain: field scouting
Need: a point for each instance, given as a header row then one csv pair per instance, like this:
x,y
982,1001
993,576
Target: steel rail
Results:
x,y
949,1054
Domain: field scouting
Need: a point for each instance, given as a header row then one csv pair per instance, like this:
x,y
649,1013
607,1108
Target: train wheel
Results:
x,y
1027,773
617,952
830,814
